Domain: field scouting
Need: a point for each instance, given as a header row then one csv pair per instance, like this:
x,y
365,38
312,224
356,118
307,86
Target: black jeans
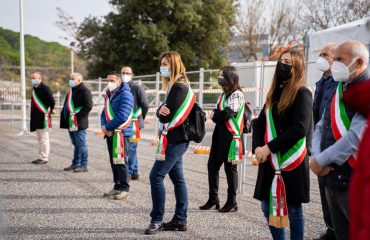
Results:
x,y
324,205
231,171
338,205
120,171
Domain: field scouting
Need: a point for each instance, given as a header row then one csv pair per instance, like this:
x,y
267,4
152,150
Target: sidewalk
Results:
x,y
44,202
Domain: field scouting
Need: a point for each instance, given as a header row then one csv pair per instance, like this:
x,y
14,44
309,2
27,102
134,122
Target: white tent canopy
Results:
x,y
357,30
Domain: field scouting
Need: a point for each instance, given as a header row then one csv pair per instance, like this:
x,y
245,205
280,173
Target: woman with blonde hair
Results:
x,y
279,143
172,144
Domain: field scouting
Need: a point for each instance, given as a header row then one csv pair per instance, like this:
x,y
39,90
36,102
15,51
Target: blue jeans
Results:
x,y
80,154
296,222
132,159
173,166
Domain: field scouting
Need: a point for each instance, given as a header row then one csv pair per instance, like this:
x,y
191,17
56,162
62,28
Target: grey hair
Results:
x,y
359,50
78,75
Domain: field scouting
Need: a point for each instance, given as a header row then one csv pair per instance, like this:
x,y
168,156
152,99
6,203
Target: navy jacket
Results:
x,y
122,103
323,94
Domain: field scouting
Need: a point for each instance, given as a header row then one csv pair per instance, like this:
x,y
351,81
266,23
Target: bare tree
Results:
x,y
68,25
323,14
260,22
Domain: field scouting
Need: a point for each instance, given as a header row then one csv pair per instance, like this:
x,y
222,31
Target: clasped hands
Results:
x,y
106,132
318,170
262,153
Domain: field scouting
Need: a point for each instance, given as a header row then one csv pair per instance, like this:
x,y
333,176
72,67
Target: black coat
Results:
x,y
46,97
140,100
292,125
175,98
81,97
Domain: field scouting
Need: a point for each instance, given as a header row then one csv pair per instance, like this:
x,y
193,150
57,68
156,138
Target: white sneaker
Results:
x,y
111,192
119,196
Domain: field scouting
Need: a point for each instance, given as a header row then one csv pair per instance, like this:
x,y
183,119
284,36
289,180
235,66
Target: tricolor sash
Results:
x,y
340,122
290,160
180,115
235,126
118,146
72,120
135,137
43,109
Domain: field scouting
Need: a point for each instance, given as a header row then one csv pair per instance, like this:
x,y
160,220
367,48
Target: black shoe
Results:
x,y
329,235
153,228
80,169
39,161
70,168
229,207
210,203
175,225
134,177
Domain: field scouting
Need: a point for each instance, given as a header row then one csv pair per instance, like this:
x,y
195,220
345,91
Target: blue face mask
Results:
x,y
165,72
72,83
33,82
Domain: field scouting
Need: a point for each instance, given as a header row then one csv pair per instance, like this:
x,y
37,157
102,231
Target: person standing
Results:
x,y
227,147
75,118
279,144
172,145
338,133
42,106
116,125
139,112
324,88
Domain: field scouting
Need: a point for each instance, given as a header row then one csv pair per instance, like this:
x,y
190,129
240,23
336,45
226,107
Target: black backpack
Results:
x,y
247,118
195,126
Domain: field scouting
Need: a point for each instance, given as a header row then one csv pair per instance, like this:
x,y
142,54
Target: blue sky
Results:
x,y
40,16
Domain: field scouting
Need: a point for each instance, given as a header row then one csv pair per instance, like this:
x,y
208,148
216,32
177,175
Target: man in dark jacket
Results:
x,y
75,118
324,88
338,133
116,125
42,105
140,103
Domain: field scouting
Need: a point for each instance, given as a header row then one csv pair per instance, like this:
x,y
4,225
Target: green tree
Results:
x,y
135,33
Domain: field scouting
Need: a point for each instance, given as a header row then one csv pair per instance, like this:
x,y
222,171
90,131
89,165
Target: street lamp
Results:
x,y
72,44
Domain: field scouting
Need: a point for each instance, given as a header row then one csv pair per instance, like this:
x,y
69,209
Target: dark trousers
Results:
x,y
120,171
231,171
338,205
325,206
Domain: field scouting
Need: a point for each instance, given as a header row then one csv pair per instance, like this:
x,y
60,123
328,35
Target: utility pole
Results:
x,y
23,72
72,44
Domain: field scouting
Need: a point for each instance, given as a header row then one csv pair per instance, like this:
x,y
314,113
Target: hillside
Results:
x,y
38,53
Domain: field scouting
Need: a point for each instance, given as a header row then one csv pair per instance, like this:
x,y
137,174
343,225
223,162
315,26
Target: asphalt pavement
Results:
x,y
45,202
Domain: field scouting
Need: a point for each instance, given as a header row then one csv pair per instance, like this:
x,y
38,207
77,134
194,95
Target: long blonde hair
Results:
x,y
178,71
293,84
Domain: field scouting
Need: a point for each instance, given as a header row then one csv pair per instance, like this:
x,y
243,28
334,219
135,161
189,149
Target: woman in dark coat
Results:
x,y
230,105
279,144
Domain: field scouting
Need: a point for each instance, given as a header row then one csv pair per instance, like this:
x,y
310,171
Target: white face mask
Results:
x,y
341,72
126,78
322,64
112,86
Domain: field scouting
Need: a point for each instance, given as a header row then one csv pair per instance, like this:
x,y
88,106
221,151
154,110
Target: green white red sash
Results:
x,y
286,162
43,109
180,115
135,137
235,126
72,120
118,146
340,122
